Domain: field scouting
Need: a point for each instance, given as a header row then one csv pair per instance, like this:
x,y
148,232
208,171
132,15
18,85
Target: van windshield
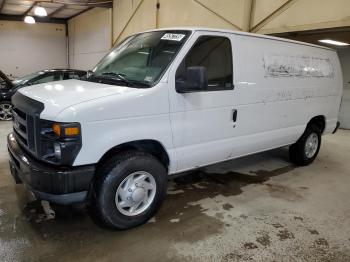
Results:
x,y
140,60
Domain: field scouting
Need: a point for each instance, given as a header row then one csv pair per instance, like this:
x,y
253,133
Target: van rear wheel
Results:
x,y
128,190
306,149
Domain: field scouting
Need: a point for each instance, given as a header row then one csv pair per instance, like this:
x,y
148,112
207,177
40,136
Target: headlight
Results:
x,y
60,143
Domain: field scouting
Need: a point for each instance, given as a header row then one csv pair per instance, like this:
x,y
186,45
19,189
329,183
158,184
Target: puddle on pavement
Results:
x,y
73,235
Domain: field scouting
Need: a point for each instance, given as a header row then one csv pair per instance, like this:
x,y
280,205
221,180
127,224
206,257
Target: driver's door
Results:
x,y
203,122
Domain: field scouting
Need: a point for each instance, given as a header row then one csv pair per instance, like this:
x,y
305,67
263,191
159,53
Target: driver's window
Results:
x,y
214,53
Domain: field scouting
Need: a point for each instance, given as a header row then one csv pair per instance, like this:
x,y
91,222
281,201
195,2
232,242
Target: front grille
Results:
x,y
26,122
23,126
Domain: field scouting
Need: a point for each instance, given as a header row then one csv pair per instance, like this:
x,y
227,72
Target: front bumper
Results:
x,y
61,185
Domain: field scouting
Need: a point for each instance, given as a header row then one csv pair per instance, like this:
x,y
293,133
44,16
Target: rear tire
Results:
x,y
306,149
128,190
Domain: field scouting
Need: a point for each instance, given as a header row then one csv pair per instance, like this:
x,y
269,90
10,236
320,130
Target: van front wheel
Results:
x,y
306,149
128,190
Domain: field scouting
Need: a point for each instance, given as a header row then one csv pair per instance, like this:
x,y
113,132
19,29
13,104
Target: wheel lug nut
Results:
x,y
129,190
136,184
129,198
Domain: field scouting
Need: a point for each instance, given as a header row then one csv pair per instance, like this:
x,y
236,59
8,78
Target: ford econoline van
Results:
x,y
167,101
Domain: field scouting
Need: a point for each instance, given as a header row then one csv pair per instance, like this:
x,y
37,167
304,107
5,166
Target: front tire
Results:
x,y
306,149
128,190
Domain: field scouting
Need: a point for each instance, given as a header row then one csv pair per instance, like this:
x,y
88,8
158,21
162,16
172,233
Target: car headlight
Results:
x,y
60,143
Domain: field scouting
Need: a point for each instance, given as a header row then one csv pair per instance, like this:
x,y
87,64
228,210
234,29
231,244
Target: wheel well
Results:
x,y
152,147
319,121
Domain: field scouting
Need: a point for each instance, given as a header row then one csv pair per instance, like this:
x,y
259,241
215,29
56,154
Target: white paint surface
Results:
x,y
28,48
344,115
89,38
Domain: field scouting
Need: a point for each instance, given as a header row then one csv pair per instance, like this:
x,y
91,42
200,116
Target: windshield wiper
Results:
x,y
112,76
119,76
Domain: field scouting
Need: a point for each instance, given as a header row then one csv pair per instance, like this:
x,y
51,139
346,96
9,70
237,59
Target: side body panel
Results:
x,y
297,81
273,108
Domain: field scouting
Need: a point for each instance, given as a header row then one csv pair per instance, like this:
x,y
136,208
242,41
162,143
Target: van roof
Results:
x,y
240,33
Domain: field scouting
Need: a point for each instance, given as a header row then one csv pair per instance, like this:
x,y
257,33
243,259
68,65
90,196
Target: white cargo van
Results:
x,y
166,101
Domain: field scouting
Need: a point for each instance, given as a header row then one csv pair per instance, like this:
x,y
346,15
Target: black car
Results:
x,y
8,87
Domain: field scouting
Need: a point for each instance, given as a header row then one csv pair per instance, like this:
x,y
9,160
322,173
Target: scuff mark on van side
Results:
x,y
283,65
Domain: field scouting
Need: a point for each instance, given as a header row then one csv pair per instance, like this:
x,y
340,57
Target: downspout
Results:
x,y
67,43
112,25
157,14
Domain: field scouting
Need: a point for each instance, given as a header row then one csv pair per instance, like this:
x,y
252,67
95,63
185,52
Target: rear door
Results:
x,y
344,114
203,122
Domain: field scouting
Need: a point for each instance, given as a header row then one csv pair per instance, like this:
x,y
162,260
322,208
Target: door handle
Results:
x,y
234,115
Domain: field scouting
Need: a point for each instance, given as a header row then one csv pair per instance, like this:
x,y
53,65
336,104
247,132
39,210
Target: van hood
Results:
x,y
59,95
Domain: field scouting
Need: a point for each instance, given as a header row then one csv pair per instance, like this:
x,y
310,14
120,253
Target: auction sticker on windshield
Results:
x,y
173,37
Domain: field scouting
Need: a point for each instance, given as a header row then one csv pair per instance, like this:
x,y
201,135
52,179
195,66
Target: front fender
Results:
x,y
100,136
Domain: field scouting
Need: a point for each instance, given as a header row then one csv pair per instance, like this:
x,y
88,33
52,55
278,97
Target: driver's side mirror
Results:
x,y
195,80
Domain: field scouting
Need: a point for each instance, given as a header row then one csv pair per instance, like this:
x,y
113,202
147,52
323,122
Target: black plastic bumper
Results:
x,y
55,184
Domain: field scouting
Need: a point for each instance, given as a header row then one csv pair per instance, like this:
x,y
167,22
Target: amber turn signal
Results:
x,y
67,131
71,131
56,129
